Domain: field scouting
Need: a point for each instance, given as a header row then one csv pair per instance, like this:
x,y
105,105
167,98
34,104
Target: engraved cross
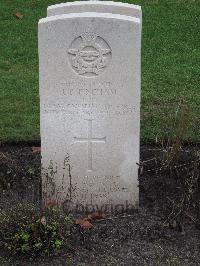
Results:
x,y
89,140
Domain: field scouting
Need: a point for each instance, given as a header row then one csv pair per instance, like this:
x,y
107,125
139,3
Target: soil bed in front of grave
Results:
x,y
139,239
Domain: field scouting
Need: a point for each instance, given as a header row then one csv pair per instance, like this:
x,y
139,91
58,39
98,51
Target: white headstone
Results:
x,y
90,110
95,6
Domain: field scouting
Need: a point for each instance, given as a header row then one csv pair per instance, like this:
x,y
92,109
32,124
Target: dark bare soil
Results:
x,y
165,230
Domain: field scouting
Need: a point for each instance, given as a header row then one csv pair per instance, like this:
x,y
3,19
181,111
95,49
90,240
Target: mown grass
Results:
x,y
170,67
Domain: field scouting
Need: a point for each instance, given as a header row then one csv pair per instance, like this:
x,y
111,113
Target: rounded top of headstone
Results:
x,y
89,15
95,2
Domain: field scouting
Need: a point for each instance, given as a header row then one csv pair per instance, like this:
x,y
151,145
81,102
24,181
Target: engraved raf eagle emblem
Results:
x,y
90,54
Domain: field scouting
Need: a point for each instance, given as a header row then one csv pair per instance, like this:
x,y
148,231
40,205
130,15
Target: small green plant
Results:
x,y
173,261
25,230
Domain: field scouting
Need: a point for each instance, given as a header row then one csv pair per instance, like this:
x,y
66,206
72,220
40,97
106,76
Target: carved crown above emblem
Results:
x,y
89,37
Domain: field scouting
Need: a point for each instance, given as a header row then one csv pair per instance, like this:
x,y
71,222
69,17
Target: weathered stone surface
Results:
x,y
90,110
95,6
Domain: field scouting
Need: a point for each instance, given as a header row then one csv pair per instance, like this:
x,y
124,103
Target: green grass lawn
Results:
x,y
170,67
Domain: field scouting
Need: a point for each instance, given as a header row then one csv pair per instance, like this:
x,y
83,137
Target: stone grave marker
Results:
x,y
95,6
90,77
